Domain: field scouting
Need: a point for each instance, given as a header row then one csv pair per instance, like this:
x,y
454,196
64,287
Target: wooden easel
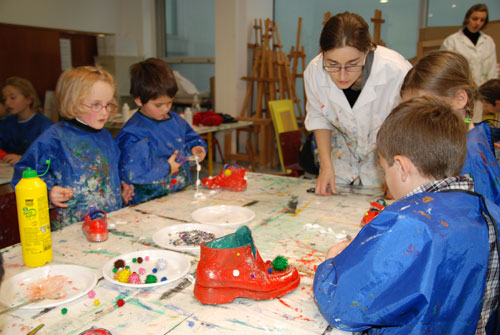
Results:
x,y
270,79
326,17
295,55
377,24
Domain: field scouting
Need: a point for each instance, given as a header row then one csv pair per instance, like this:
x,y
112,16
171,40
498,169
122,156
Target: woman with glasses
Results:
x,y
351,87
83,168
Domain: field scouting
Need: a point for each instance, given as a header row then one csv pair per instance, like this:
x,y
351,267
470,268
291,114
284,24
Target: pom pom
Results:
x,y
280,263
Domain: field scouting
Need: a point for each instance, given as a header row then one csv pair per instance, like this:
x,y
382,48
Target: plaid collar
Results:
x,y
462,182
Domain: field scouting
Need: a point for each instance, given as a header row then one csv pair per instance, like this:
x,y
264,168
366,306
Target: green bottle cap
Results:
x,y
29,173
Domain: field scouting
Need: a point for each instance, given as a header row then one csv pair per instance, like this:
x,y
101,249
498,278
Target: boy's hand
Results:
x,y
58,195
174,166
337,248
12,158
199,152
127,192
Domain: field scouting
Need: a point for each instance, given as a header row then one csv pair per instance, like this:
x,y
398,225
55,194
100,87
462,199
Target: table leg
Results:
x,y
210,153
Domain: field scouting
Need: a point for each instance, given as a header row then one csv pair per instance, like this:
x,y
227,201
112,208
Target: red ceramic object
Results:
x,y
232,178
375,208
96,331
224,274
95,226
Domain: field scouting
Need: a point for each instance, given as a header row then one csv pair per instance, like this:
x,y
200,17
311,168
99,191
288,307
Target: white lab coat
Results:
x,y
482,57
354,130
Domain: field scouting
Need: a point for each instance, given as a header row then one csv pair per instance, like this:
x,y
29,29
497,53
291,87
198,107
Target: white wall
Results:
x,y
231,54
132,18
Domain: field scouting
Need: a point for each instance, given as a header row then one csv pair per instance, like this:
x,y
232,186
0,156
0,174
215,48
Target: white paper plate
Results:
x,y
166,236
177,267
223,215
57,284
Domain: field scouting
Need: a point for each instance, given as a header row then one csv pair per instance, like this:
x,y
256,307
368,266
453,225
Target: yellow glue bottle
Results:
x,y
34,219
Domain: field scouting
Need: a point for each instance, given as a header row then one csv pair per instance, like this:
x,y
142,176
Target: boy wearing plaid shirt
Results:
x,y
428,263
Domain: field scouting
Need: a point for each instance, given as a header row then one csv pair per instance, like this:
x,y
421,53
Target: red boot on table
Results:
x,y
232,178
231,267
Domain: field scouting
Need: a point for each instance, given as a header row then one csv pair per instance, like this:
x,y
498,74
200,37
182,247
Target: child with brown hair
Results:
x,y
25,123
428,263
447,74
84,158
151,140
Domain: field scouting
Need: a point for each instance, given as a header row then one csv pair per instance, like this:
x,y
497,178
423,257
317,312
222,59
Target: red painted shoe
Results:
x,y
232,178
95,226
231,267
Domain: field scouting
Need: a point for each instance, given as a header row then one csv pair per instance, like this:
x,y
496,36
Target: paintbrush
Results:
x,y
35,330
20,306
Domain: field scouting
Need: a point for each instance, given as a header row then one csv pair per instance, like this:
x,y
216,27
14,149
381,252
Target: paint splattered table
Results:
x,y
289,221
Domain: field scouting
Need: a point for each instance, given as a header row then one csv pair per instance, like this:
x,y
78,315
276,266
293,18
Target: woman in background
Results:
x,y
477,47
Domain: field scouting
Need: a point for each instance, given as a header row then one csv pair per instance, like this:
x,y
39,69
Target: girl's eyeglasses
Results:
x,y
97,107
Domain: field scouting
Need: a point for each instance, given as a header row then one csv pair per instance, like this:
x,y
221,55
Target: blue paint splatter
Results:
x,y
190,324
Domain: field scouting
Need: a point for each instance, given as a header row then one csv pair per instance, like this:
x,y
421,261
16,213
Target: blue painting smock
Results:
x,y
16,137
418,268
82,159
146,145
481,163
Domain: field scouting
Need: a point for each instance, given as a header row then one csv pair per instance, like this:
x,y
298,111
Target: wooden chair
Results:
x,y
290,144
8,220
284,120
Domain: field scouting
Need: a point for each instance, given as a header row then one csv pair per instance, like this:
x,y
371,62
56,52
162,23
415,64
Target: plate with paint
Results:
x,y
188,237
223,215
146,268
49,286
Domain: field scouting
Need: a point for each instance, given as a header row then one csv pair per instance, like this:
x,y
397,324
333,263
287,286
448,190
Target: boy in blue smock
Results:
x,y
428,263
25,123
153,137
84,157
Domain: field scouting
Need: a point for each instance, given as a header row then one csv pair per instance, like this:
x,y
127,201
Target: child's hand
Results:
x,y
12,158
174,166
337,248
199,151
127,192
58,195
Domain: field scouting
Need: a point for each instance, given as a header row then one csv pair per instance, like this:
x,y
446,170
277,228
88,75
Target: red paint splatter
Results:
x,y
484,158
173,181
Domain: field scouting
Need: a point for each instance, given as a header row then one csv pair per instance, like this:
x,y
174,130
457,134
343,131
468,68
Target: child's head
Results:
x,y
20,96
421,140
153,86
445,74
489,92
86,93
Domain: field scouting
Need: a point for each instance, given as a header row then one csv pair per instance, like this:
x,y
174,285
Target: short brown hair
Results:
x,y
25,87
480,7
429,133
346,29
74,85
490,91
442,73
151,79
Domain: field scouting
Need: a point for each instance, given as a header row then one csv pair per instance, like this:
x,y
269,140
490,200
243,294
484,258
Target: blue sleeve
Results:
x,y
43,149
139,164
373,282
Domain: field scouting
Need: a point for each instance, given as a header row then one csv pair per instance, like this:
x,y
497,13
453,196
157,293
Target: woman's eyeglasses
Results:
x,y
349,68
